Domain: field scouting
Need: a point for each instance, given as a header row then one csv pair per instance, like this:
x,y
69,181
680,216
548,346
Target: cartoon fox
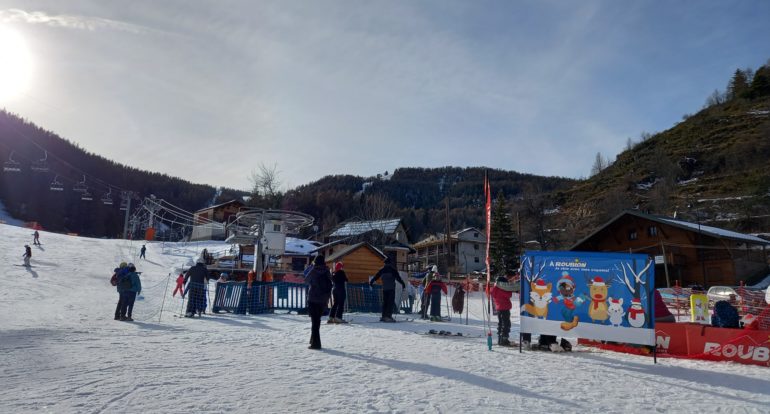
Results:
x,y
540,296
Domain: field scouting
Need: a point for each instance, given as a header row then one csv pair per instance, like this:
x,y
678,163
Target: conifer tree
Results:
x,y
504,244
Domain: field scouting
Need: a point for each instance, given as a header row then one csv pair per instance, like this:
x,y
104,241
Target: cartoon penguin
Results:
x,y
636,316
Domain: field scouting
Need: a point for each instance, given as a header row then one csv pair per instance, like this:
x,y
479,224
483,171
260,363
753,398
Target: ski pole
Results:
x,y
165,293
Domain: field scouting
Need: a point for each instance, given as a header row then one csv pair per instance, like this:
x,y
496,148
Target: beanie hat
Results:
x,y
566,279
597,281
123,264
501,279
338,266
319,260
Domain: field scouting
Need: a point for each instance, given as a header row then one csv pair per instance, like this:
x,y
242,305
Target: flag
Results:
x,y
488,218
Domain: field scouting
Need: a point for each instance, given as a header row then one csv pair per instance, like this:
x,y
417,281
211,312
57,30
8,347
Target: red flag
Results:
x,y
488,213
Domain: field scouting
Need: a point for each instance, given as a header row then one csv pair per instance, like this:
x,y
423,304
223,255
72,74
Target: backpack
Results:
x,y
114,279
125,282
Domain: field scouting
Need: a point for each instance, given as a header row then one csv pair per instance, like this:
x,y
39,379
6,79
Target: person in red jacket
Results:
x,y
501,295
179,285
434,289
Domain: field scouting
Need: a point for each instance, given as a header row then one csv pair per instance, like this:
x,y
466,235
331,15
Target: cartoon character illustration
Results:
x,y
615,310
597,310
566,287
540,296
700,312
636,316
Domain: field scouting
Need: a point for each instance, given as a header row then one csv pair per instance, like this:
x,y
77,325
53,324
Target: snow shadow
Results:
x,y
140,261
32,272
239,322
156,326
40,247
454,375
738,383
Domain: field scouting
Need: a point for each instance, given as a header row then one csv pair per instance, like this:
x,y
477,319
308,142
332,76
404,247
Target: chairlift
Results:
x,y
11,165
56,185
40,165
86,196
107,199
81,187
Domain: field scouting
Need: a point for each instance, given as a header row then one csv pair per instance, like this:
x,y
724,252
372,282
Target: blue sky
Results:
x,y
208,90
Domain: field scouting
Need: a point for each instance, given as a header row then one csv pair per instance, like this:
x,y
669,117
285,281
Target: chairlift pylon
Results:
x,y
40,165
11,165
81,187
56,185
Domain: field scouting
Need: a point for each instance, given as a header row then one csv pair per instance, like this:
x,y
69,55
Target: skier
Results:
x,y
120,272
389,276
425,301
338,294
27,255
196,279
501,295
434,289
179,285
130,287
142,251
318,292
36,240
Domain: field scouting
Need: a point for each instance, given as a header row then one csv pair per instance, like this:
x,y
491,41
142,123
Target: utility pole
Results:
x,y
125,220
447,239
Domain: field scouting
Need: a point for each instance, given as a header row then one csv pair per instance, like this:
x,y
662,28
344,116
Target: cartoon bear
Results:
x,y
615,310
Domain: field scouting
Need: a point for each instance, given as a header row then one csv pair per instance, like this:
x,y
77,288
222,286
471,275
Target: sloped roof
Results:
x,y
350,249
703,229
234,201
354,228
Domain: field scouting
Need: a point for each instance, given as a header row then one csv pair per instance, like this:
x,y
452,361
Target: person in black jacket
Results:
x,y
389,276
196,279
319,289
338,294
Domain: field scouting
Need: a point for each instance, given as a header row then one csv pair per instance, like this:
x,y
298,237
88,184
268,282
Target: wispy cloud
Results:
x,y
69,21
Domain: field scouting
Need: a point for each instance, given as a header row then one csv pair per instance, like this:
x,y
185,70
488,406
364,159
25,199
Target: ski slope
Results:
x,y
62,352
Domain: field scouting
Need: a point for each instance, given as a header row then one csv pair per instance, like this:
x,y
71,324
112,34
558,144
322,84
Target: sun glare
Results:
x,y
15,65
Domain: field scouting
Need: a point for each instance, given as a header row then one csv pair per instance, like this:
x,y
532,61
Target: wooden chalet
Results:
x,y
209,223
388,236
684,252
361,260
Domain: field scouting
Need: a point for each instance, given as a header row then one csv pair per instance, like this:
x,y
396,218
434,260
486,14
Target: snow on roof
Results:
x,y
716,232
354,228
300,246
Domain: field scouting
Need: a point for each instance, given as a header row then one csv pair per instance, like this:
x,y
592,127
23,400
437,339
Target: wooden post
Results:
x,y
665,264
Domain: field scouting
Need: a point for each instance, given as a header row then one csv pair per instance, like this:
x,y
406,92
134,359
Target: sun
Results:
x,y
15,65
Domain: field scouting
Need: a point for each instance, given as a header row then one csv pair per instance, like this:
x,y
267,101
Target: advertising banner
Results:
x,y
602,296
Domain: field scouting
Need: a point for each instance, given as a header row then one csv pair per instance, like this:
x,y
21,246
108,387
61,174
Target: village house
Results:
x,y
388,236
467,248
209,223
684,252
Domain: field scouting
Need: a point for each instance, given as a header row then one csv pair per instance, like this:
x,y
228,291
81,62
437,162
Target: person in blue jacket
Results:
x,y
120,272
130,286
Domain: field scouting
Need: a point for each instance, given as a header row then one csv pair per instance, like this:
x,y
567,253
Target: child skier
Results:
x,y
501,295
179,285
142,251
338,294
27,255
434,289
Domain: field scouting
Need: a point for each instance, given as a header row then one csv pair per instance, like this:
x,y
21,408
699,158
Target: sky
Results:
x,y
209,90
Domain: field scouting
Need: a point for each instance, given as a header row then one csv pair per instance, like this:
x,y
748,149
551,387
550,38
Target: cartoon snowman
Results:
x,y
636,313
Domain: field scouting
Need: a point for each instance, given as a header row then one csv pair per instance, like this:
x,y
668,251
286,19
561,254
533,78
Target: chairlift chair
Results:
x,y
56,185
11,165
81,187
124,200
40,165
86,196
107,199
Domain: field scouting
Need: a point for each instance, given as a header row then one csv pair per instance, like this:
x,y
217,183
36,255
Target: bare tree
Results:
x,y
266,185
378,206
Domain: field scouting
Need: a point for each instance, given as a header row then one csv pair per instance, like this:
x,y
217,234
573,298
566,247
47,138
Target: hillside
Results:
x,y
27,194
711,167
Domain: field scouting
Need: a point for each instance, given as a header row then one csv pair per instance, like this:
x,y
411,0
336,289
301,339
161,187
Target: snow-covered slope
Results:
x,y
61,351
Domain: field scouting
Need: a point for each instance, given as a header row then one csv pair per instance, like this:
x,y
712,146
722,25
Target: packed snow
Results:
x,y
62,352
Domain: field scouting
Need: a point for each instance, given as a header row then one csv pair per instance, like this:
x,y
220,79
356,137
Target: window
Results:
x,y
476,259
277,228
475,247
632,234
652,231
476,235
